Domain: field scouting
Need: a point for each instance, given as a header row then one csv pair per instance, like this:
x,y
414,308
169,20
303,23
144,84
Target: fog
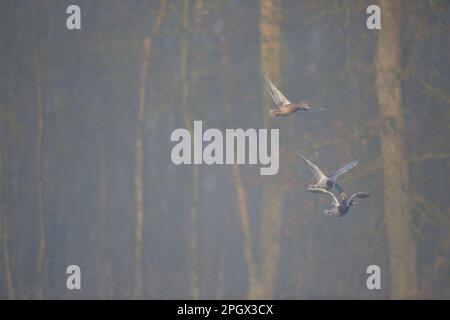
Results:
x,y
87,179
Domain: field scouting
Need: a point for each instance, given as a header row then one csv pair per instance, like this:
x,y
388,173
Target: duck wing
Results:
x,y
277,95
315,169
324,191
360,195
334,175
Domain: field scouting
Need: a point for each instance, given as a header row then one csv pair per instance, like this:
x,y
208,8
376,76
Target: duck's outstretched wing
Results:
x,y
277,95
315,169
360,195
334,175
324,191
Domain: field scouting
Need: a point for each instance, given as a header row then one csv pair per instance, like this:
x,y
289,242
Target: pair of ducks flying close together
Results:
x,y
324,183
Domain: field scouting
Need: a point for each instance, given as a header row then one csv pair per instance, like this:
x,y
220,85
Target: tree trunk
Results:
x,y
193,216
273,194
138,179
39,153
402,247
194,94
102,208
241,194
4,238
139,157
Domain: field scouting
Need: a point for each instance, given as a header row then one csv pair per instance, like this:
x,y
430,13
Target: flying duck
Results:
x,y
340,209
285,107
329,182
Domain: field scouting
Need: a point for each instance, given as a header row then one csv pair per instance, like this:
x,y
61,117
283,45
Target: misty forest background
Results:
x,y
85,170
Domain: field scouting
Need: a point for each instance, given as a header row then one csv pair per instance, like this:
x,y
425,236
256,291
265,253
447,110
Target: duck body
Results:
x,y
324,183
288,109
339,209
327,182
284,106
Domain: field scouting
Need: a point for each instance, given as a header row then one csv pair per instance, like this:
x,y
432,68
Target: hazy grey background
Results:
x,y
68,188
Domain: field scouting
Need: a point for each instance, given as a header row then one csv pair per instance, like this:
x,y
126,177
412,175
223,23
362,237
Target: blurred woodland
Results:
x,y
85,171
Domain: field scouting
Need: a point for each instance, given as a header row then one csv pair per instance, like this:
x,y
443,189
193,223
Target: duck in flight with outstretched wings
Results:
x,y
284,106
340,209
327,182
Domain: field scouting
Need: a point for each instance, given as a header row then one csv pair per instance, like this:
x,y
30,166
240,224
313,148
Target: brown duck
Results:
x,y
285,107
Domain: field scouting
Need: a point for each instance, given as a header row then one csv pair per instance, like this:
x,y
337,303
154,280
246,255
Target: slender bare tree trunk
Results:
x,y
102,202
4,238
6,258
402,247
197,62
193,243
274,193
241,194
39,153
185,99
138,180
262,280
220,287
197,65
270,47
